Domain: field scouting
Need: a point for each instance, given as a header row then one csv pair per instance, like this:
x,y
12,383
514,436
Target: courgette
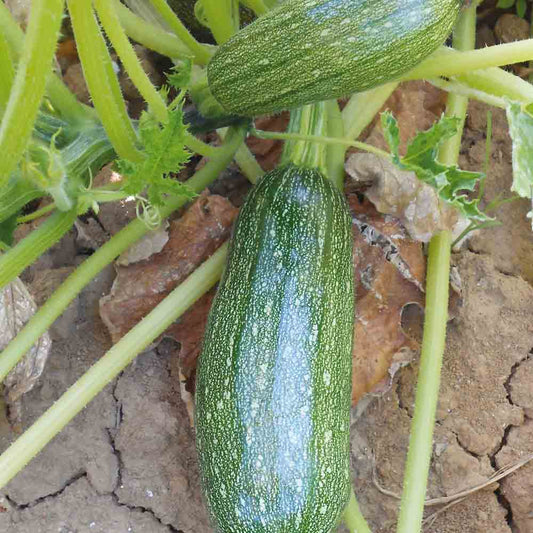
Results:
x,y
274,376
306,51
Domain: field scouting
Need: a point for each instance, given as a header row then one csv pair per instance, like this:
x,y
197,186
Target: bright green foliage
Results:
x,y
164,147
180,76
521,6
521,130
421,157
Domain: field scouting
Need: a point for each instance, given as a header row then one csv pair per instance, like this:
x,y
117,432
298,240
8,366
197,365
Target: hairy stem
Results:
x,y
72,286
222,17
34,68
149,35
436,316
34,245
34,439
200,52
121,44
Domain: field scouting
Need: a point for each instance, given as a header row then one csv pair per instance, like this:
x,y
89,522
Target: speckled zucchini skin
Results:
x,y
306,51
274,376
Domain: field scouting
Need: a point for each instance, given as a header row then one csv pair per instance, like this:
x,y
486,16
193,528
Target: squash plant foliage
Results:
x,y
297,52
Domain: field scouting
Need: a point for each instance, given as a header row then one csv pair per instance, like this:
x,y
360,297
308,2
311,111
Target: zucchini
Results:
x,y
274,377
306,51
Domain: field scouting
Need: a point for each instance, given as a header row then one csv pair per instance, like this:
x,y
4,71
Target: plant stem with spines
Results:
x,y
102,80
34,68
72,286
436,317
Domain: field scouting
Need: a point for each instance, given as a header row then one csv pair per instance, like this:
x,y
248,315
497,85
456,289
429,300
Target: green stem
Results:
x,y
335,153
306,122
34,245
320,139
102,81
8,74
132,65
466,91
498,82
34,439
200,52
151,36
448,62
436,316
363,107
222,17
34,67
198,146
59,95
353,518
73,285
245,160
36,214
257,6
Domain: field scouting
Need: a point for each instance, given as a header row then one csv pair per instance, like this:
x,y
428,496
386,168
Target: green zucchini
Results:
x,y
273,387
306,51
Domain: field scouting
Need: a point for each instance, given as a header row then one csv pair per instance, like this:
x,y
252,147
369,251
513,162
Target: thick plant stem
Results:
x,y
353,518
436,316
74,284
335,153
448,62
111,24
427,391
60,97
257,6
361,109
102,80
201,53
222,17
153,37
8,74
34,439
35,244
34,68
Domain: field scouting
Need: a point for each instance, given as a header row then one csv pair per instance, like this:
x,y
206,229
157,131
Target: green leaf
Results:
x,y
164,147
391,131
421,156
521,7
7,229
180,76
521,130
505,4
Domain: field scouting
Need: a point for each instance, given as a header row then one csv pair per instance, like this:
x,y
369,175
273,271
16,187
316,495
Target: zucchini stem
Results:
x,y
222,17
34,245
353,518
73,285
436,316
29,84
34,439
320,139
153,37
102,80
111,24
201,53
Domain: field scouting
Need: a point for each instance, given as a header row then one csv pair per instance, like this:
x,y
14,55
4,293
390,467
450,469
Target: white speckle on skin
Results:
x,y
220,404
327,378
262,506
327,436
323,509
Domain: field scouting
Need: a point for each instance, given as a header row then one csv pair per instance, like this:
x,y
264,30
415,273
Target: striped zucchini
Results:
x,y
306,51
274,376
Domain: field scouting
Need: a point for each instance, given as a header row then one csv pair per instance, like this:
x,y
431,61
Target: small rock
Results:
x,y
510,27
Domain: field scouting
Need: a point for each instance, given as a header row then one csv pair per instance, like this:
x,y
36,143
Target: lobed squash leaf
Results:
x,y
164,147
421,157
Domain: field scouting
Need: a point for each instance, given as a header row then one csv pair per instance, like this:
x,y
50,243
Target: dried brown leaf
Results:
x,y
16,308
139,287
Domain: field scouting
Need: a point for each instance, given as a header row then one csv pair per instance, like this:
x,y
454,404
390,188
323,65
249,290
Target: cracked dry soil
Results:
x,y
127,462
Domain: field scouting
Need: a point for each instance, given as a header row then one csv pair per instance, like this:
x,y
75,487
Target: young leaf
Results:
x,y
180,76
421,158
164,147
